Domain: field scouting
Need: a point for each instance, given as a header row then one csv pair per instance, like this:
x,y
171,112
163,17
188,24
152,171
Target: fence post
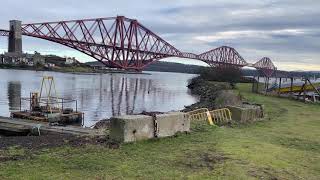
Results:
x,y
279,86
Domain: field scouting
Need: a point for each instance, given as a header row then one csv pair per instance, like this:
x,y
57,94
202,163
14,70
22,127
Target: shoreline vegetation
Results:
x,y
216,88
207,92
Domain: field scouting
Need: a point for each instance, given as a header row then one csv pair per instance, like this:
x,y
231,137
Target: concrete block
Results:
x,y
171,123
130,128
246,113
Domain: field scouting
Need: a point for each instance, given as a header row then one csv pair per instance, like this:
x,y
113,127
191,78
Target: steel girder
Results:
x,y
266,66
117,42
4,32
223,55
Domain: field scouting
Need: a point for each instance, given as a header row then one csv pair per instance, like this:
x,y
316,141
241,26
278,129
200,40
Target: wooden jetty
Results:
x,y
12,126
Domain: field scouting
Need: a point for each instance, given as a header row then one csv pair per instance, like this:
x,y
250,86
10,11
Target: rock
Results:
x,y
103,124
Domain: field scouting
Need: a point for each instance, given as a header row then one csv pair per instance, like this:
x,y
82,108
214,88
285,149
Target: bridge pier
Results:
x,y
15,37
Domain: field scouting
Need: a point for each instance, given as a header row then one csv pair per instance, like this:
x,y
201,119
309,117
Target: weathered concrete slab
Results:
x,y
246,112
130,128
171,123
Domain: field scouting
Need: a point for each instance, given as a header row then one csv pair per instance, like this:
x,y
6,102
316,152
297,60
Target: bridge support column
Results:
x,y
15,37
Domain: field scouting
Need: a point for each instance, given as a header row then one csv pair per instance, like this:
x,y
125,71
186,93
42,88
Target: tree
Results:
x,y
231,74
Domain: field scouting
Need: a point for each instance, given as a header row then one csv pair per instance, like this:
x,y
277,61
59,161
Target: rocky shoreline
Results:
x,y
212,94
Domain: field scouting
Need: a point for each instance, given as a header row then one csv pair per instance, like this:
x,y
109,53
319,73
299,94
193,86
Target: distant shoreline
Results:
x,y
71,70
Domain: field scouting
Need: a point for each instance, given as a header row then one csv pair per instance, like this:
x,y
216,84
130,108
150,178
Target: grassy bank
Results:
x,y
285,145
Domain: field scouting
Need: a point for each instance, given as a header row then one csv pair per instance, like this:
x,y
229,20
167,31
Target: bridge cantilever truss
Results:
x,y
266,66
117,42
223,55
4,32
120,42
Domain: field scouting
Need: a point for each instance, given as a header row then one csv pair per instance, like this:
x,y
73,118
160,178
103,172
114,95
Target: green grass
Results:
x,y
285,145
78,69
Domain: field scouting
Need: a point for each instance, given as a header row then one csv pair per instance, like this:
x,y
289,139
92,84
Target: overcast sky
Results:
x,y
287,31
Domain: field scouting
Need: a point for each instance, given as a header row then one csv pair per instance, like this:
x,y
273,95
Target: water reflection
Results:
x,y
125,92
14,95
102,95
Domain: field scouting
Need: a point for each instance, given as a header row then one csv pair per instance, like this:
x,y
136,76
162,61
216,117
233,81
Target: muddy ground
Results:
x,y
53,140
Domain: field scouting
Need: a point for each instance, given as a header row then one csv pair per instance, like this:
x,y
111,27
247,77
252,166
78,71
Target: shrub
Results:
x,y
229,74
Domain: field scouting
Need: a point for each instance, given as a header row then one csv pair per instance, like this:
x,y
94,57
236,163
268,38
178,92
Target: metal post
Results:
x,y
253,84
62,104
258,83
291,87
20,103
265,85
279,86
30,108
304,90
82,122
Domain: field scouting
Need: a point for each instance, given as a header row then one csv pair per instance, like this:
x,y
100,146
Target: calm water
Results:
x,y
101,95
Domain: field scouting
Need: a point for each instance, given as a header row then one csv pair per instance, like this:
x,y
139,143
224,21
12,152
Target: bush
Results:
x,y
229,74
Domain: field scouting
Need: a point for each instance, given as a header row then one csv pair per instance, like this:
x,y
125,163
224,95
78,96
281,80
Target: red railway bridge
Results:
x,y
124,43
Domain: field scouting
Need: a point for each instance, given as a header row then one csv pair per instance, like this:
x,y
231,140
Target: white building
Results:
x,y
14,59
49,65
70,60
19,59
